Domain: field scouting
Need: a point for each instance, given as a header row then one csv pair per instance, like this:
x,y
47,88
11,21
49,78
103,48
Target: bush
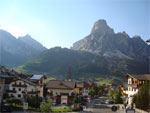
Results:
x,y
33,101
46,106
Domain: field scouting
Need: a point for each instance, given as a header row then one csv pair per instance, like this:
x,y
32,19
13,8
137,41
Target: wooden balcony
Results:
x,y
11,91
33,92
19,85
133,85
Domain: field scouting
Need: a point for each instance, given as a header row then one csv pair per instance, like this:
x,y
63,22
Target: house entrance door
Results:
x,y
64,99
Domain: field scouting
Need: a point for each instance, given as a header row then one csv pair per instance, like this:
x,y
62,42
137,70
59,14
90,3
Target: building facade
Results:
x,y
61,92
134,83
19,87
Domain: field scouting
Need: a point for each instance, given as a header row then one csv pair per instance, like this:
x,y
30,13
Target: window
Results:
x,y
19,83
19,96
14,89
135,89
19,89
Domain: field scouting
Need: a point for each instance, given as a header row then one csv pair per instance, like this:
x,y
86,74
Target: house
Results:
x,y
61,92
79,88
2,86
19,87
87,86
32,86
39,81
134,83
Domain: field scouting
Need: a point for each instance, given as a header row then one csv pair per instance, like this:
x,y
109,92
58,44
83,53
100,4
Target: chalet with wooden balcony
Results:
x,y
134,83
19,87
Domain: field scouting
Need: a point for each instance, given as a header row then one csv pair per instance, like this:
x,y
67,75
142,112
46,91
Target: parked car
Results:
x,y
109,102
6,108
102,102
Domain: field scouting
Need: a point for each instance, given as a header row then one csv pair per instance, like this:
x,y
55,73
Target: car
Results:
x,y
102,102
109,102
6,108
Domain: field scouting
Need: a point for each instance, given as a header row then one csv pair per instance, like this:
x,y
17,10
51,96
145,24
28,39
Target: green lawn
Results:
x,y
61,109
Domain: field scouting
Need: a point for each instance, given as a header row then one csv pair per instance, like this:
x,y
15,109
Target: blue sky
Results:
x,y
63,22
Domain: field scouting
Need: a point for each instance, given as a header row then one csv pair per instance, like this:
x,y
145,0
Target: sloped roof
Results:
x,y
54,84
3,76
36,77
140,76
79,85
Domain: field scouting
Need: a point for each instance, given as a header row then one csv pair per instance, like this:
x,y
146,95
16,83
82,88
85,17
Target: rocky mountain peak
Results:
x,y
104,42
101,26
28,40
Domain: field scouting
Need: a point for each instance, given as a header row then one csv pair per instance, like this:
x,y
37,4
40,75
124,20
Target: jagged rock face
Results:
x,y
104,42
17,49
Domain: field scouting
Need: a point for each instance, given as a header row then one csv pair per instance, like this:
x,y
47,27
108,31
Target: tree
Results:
x,y
116,96
76,99
101,90
112,94
118,99
142,98
33,101
92,92
46,106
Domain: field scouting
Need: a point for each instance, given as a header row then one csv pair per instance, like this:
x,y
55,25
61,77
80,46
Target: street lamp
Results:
x,y
125,101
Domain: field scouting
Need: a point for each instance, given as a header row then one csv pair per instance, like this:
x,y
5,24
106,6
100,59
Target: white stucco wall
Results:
x,y
131,91
27,89
85,92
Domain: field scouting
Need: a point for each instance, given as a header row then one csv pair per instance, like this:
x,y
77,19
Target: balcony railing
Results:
x,y
19,85
133,85
11,91
33,92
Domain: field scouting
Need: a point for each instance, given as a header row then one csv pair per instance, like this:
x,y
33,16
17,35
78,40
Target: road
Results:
x,y
96,106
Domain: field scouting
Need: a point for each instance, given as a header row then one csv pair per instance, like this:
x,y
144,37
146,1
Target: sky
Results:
x,y
63,22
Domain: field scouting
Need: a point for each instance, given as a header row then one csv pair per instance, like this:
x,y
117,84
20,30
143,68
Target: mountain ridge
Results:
x,y
104,42
10,45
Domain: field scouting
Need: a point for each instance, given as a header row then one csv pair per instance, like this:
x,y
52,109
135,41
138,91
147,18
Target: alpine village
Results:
x,y
103,69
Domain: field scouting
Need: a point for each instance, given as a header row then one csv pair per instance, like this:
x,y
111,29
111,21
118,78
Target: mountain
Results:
x,y
15,51
104,42
55,62
29,41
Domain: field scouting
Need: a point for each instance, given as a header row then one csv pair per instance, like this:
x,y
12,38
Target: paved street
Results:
x,y
100,107
96,106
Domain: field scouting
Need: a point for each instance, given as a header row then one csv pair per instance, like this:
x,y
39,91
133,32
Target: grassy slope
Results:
x,y
55,62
